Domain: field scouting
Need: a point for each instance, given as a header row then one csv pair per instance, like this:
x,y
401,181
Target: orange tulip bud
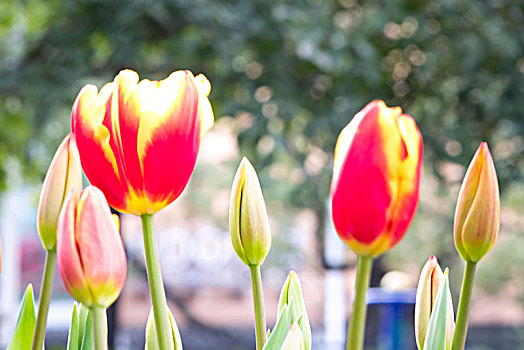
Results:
x,y
138,141
429,283
64,174
477,215
248,220
376,178
91,257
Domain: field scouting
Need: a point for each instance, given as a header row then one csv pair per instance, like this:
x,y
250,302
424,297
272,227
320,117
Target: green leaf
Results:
x,y
25,324
279,333
151,337
72,339
436,333
83,314
293,290
87,329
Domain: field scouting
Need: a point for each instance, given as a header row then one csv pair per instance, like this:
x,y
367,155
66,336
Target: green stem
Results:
x,y
156,286
258,301
461,327
45,297
357,322
99,327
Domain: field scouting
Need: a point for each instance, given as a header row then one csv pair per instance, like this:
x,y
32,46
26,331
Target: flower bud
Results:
x,y
294,339
248,220
429,283
377,171
477,215
291,295
91,257
65,173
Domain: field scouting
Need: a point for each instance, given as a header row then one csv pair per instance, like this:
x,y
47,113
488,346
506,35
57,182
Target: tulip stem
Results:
x,y
357,323
99,327
156,286
461,328
258,301
44,299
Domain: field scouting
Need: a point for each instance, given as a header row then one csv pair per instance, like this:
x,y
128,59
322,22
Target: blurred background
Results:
x,y
286,77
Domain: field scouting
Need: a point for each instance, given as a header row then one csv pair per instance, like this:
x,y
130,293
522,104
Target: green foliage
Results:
x,y
151,336
436,333
291,310
81,329
277,337
22,338
291,295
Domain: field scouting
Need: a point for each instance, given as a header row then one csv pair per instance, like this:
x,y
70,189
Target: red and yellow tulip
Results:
x,y
139,141
91,257
477,217
64,174
376,178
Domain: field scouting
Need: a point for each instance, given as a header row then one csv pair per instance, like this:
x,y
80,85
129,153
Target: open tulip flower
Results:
x,y
138,141
374,192
91,257
376,178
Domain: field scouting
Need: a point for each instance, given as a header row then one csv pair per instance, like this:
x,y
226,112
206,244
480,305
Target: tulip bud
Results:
x,y
478,208
91,257
248,220
376,178
65,173
294,339
291,291
429,283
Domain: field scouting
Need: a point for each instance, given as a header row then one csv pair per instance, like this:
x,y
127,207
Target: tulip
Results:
x,y
250,235
64,174
91,257
429,283
294,339
477,219
248,220
138,141
478,208
376,178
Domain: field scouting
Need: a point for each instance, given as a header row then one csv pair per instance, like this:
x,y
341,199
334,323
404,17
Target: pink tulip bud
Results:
x,y
477,215
430,280
91,257
65,173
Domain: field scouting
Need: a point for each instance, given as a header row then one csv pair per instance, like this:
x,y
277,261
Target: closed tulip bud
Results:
x,y
91,257
477,215
65,173
429,283
248,220
294,339
376,178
